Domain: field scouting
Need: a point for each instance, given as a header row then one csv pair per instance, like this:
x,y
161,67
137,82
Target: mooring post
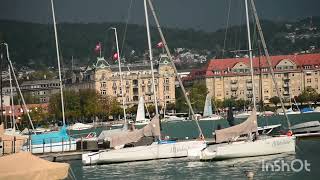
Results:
x,y
43,143
14,144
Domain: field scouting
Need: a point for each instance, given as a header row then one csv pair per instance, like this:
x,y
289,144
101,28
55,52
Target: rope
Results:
x,y
226,32
126,27
72,175
172,64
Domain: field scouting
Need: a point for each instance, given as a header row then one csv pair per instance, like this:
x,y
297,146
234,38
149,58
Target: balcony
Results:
x,y
286,93
149,93
234,81
234,96
135,85
249,87
285,85
249,95
234,88
286,78
249,80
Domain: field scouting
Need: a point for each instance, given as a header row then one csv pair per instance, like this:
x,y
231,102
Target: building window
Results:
x,y
103,92
308,80
103,84
167,88
316,80
166,80
307,67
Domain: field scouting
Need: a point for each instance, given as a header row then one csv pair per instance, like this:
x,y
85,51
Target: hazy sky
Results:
x,y
200,14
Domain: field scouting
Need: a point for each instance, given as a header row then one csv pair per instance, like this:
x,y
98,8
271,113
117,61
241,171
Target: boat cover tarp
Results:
x,y
248,126
26,166
106,134
151,129
78,126
51,137
306,110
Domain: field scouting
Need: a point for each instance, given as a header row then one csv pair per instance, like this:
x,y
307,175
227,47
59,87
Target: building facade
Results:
x,y
137,81
230,78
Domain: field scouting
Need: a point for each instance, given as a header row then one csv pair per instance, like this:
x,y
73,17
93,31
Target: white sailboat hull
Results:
x,y
53,147
267,146
211,118
143,153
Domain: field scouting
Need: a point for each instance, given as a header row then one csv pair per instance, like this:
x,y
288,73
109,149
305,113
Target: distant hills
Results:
x,y
33,44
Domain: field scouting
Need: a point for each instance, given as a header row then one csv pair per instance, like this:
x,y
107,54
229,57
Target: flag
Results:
x,y
115,56
160,45
98,47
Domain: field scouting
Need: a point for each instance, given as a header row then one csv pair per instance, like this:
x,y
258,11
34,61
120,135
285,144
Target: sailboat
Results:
x,y
141,116
158,149
207,112
53,141
228,141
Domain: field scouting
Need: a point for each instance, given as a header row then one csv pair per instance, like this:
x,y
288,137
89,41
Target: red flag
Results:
x,y
115,56
160,45
98,47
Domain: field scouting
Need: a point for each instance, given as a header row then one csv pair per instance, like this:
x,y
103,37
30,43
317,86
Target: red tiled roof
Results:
x,y
305,59
225,64
299,60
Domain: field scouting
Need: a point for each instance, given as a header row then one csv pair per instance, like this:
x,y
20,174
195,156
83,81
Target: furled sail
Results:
x,y
151,129
207,112
248,126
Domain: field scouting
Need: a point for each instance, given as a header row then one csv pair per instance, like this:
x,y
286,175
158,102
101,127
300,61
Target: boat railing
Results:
x,y
10,146
48,145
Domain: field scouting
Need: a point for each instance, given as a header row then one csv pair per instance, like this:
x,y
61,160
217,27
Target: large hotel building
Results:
x,y
230,78
137,81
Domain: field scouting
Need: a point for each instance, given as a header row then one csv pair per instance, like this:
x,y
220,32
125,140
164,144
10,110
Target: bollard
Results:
x,y
50,144
62,145
43,143
14,144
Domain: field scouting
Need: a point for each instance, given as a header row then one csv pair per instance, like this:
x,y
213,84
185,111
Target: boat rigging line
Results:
x,y
173,65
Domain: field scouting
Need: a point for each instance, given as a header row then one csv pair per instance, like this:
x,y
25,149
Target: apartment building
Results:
x,y
230,78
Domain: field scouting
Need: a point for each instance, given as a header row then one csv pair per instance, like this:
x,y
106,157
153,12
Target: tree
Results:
x,y
71,102
275,100
229,103
88,103
198,95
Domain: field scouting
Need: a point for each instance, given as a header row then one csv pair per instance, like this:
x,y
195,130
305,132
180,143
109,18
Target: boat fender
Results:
x,y
289,133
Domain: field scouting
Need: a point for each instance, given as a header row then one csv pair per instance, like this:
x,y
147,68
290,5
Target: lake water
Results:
x,y
306,150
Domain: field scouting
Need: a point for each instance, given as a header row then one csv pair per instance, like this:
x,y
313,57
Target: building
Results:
x,y
137,81
230,78
40,90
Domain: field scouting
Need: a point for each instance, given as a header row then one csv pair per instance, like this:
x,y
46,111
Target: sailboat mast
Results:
x,y
18,87
269,62
172,63
12,104
58,58
151,57
121,80
250,56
